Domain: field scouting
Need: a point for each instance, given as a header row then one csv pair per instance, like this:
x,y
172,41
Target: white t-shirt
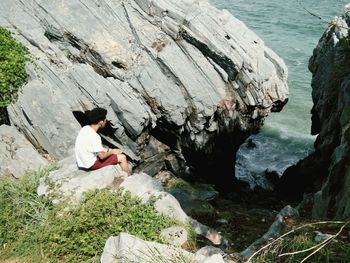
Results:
x,y
87,145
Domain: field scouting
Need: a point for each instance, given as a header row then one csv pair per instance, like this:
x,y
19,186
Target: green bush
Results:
x,y
80,234
13,57
32,229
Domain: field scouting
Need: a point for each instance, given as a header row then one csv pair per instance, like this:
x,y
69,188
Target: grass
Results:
x,y
13,57
300,244
32,229
23,213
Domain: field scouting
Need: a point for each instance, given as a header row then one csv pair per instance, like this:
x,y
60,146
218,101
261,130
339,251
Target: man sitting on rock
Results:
x,y
89,152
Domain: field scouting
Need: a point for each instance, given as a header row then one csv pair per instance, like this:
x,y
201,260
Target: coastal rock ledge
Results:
x,y
183,82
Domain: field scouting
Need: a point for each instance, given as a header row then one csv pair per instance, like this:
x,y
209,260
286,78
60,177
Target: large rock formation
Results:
x,y
329,165
183,82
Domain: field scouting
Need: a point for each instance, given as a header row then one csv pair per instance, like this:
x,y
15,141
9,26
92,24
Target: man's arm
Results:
x,y
108,152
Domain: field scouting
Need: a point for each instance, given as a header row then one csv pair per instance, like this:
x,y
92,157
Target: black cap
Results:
x,y
96,115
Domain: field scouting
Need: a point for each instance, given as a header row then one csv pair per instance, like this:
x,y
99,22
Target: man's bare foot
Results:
x,y
214,237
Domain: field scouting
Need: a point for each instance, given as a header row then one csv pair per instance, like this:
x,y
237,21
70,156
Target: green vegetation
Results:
x,y
32,229
23,213
80,234
179,183
302,245
190,199
13,57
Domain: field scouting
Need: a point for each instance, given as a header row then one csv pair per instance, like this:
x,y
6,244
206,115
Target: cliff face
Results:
x,y
328,168
183,82
330,66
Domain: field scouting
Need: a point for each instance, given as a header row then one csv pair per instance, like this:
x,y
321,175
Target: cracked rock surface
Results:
x,y
183,82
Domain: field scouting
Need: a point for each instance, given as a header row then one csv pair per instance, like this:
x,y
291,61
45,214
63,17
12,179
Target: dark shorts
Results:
x,y
111,160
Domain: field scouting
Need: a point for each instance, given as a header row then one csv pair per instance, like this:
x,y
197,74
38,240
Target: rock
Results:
x,y
164,177
251,144
192,203
17,155
175,236
322,237
304,177
272,176
127,248
214,259
273,232
183,72
326,171
142,186
152,155
146,187
208,251
70,183
168,205
194,199
209,233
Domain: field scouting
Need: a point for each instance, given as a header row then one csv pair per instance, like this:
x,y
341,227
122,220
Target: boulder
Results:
x,y
128,248
175,236
208,251
70,183
142,185
213,259
17,155
183,73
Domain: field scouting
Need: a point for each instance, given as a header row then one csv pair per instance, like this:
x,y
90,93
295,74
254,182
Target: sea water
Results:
x,y
288,28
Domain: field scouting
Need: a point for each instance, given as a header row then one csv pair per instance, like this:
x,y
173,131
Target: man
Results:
x,y
89,152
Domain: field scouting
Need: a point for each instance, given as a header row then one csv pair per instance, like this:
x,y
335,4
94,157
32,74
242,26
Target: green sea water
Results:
x,y
292,32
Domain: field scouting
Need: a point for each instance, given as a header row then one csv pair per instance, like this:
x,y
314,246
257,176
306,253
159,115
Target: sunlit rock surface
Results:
x,y
183,82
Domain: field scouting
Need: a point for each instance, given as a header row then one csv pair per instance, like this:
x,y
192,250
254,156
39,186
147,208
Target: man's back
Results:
x,y
87,145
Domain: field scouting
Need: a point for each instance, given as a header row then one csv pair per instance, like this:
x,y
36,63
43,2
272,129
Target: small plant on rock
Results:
x,y
13,57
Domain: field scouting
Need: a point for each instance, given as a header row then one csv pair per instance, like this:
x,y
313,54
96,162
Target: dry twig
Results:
x,y
326,242
290,232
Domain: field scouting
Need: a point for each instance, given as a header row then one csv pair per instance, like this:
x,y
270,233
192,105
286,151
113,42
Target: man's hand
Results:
x,y
108,152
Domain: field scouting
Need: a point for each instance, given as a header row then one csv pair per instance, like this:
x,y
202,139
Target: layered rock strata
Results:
x,y
183,82
328,168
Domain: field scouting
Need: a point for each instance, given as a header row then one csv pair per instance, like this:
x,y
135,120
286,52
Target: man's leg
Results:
x,y
123,163
111,160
